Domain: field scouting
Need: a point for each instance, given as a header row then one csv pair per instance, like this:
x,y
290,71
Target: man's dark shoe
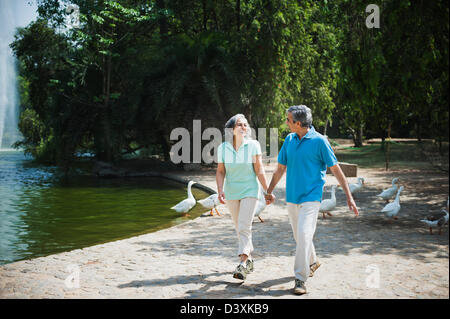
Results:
x,y
299,288
313,268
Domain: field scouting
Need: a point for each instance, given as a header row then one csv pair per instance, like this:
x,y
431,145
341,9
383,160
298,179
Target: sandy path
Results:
x,y
364,257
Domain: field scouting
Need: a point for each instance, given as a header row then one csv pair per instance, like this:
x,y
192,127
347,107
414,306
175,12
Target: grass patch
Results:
x,y
402,155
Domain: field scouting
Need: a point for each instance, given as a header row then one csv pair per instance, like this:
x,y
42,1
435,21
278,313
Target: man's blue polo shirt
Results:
x,y
306,160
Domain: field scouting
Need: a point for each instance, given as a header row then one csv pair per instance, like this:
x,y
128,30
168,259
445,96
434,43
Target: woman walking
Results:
x,y
238,170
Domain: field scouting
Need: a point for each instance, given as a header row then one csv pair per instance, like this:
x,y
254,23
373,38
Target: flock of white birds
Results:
x,y
211,202
391,209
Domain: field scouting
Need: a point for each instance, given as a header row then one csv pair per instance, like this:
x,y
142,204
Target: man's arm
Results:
x,y
270,198
337,172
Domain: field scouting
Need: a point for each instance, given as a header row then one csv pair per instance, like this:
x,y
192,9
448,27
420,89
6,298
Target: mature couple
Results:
x,y
305,155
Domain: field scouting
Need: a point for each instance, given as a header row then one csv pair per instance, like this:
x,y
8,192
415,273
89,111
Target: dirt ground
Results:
x,y
369,256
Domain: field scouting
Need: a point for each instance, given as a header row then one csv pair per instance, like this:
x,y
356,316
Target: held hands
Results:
x,y
270,198
222,197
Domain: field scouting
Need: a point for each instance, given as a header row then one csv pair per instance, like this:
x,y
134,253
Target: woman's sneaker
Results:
x,y
241,271
249,265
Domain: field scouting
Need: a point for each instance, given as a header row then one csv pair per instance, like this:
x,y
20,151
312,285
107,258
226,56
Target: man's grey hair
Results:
x,y
231,123
302,114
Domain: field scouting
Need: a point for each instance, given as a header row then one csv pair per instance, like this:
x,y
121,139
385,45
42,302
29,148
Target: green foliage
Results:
x,y
134,69
389,75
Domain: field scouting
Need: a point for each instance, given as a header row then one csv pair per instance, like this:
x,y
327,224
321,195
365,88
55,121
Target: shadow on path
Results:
x,y
208,289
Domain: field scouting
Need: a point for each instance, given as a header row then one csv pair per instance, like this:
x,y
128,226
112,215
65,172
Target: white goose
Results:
x,y
437,220
356,187
388,193
186,205
211,202
260,204
392,209
328,205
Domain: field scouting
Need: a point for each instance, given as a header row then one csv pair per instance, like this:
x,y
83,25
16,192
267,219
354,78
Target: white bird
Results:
x,y
260,205
436,220
186,205
388,193
356,187
211,202
392,209
328,205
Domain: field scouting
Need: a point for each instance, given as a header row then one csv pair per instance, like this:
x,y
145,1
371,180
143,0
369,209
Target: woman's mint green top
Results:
x,y
240,177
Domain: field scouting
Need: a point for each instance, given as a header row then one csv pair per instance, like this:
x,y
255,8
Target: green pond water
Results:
x,y
41,213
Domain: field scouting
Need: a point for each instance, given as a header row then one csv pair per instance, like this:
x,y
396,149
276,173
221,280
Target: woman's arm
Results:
x,y
259,171
220,177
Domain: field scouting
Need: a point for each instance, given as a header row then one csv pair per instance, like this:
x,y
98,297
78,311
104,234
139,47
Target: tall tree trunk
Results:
x,y
419,131
215,18
325,129
105,116
163,29
357,137
205,17
238,15
388,146
383,139
248,113
165,145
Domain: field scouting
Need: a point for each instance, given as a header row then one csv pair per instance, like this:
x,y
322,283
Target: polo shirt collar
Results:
x,y
308,135
243,143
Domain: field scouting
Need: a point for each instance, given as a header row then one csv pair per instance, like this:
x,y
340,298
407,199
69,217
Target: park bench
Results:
x,y
350,170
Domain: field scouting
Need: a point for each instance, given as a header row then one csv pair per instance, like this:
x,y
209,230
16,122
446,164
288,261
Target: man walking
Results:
x,y
305,155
